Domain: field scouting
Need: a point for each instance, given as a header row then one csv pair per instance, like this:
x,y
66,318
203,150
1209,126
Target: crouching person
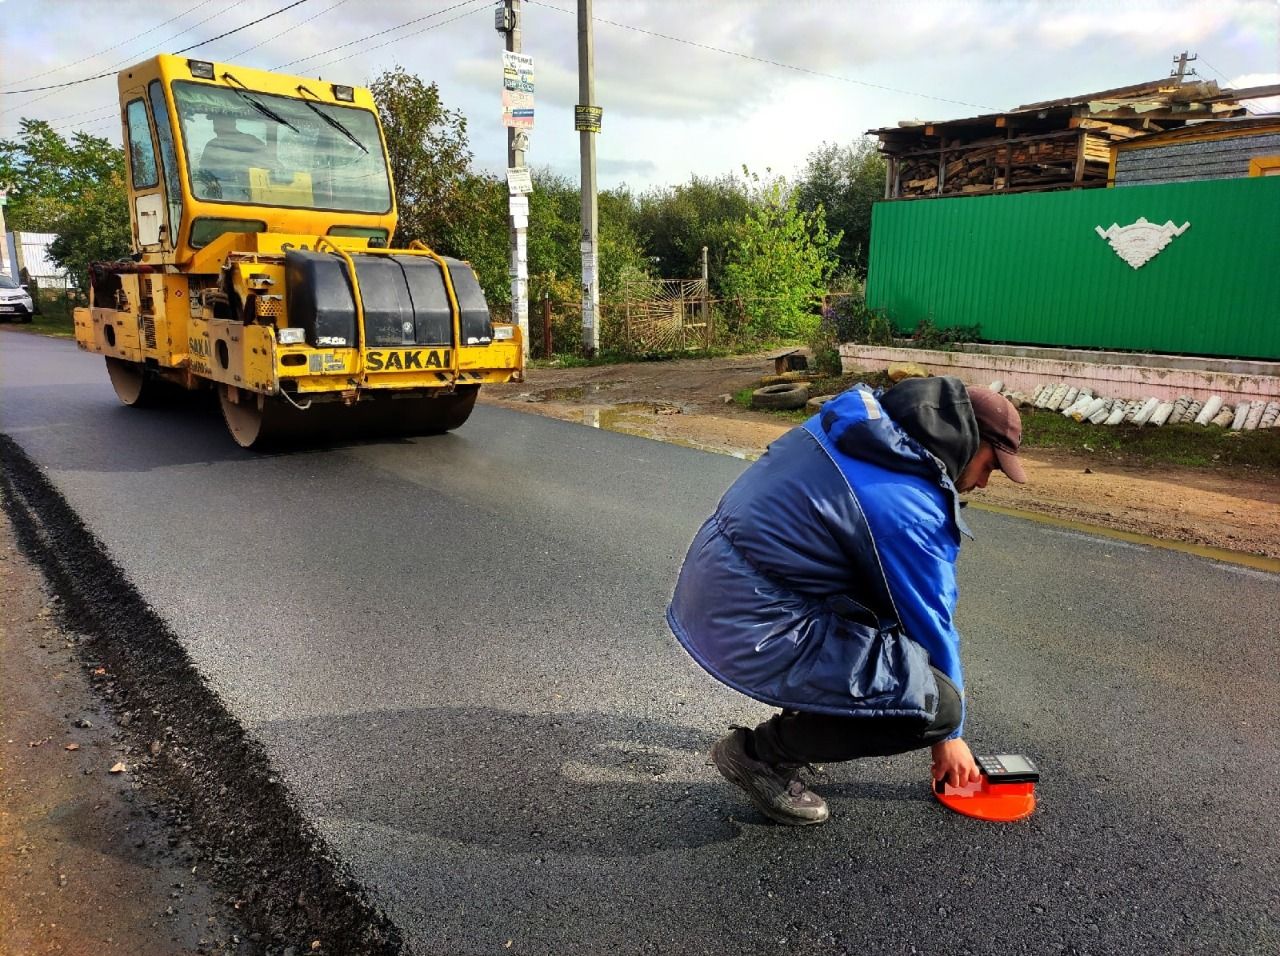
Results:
x,y
825,584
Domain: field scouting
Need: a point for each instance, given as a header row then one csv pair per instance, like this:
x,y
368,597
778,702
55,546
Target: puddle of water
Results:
x,y
575,392
631,418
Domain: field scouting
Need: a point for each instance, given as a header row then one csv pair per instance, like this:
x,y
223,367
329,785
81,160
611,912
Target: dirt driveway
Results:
x,y
685,402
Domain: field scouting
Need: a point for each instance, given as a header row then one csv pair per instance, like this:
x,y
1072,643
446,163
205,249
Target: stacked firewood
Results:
x,y
1001,162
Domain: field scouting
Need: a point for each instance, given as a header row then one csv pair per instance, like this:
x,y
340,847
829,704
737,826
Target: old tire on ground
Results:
x,y
815,404
134,385
786,395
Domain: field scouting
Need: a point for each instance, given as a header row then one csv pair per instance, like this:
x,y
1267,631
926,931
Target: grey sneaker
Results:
x,y
777,792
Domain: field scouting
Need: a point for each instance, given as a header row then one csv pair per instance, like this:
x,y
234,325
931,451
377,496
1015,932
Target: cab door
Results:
x,y
155,184
146,194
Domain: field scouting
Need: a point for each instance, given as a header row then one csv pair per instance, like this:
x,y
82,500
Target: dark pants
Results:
x,y
798,737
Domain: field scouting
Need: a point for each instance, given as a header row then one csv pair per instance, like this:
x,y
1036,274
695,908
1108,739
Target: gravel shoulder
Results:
x,y
89,862
684,401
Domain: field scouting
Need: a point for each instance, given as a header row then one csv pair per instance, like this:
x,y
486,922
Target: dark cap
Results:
x,y
1000,425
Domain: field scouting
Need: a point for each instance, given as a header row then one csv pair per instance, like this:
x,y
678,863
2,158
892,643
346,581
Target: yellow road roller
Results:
x,y
262,211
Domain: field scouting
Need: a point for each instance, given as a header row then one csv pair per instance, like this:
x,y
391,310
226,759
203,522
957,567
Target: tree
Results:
x,y
845,181
428,151
47,173
555,223
779,264
674,223
95,230
74,188
478,232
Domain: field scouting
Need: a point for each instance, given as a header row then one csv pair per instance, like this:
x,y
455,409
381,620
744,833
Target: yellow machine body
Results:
x,y
262,207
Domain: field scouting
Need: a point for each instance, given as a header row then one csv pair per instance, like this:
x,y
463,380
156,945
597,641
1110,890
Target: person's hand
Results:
x,y
953,763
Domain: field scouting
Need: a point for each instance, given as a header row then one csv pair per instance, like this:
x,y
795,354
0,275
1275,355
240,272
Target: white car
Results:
x,y
15,301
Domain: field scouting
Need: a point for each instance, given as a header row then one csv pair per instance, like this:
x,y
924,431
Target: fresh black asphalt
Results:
x,y
453,651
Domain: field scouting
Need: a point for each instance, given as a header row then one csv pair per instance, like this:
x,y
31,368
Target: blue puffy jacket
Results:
x,y
825,579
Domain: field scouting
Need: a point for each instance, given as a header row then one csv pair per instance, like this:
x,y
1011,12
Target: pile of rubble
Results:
x,y
1082,405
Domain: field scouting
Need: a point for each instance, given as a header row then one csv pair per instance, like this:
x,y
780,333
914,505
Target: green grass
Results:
x,y
1196,446
54,319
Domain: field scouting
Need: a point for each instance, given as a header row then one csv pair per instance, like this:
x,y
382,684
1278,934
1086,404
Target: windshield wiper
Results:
x,y
256,105
330,120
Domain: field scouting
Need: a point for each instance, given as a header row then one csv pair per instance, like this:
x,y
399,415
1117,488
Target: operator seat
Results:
x,y
226,159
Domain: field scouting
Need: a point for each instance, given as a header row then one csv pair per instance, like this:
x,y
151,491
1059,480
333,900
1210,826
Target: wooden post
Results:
x,y
706,301
546,325
1008,157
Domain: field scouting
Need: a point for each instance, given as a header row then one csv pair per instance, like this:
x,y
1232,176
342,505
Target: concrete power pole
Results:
x,y
507,21
4,237
1180,64
586,120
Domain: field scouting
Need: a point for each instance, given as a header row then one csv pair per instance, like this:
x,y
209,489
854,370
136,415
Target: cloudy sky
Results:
x,y
688,87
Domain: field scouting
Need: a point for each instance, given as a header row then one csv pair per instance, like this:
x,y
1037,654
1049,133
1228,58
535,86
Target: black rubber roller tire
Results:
x,y
787,395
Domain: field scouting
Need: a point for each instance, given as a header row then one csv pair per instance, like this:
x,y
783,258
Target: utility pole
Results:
x,y
4,236
507,22
586,120
1180,62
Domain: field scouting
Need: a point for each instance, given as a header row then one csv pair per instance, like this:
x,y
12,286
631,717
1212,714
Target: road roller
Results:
x,y
263,212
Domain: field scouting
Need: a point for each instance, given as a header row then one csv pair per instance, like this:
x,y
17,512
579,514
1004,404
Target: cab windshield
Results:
x,y
259,149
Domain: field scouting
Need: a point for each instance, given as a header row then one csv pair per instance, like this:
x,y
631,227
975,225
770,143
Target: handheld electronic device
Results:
x,y
1006,790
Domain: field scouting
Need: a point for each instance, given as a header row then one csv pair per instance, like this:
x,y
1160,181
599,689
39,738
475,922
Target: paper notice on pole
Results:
x,y
518,205
519,221
519,181
517,90
588,269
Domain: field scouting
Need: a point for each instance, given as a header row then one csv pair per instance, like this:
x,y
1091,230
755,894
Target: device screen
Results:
x,y
1014,763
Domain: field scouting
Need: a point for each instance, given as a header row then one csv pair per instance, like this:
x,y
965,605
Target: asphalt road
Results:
x,y
453,650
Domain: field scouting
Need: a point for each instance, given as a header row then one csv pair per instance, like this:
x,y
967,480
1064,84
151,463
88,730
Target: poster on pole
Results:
x,y
519,181
517,91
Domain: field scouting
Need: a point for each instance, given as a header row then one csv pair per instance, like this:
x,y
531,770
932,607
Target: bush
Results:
x,y
847,319
930,336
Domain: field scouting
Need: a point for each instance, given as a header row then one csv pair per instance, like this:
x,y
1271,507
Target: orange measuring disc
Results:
x,y
994,796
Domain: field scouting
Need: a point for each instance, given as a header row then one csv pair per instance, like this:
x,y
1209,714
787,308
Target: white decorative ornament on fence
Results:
x,y
1139,242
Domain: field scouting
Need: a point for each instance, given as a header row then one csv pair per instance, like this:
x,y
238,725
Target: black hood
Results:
x,y
936,412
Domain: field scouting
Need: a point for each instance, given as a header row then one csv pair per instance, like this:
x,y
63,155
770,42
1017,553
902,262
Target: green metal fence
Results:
x,y
1032,268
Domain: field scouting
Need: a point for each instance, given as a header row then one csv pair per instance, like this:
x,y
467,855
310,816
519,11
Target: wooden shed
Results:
x,y
1056,144
1219,149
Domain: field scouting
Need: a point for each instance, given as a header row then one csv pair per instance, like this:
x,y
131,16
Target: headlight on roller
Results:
x,y
502,333
291,336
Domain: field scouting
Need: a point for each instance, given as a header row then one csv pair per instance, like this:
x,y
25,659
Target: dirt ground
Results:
x,y
689,402
89,864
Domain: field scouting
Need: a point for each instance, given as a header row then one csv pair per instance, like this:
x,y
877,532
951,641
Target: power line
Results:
x,y
1253,106
372,36
133,57
137,36
250,49
479,5
58,86
1215,69
475,4
276,13
759,59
